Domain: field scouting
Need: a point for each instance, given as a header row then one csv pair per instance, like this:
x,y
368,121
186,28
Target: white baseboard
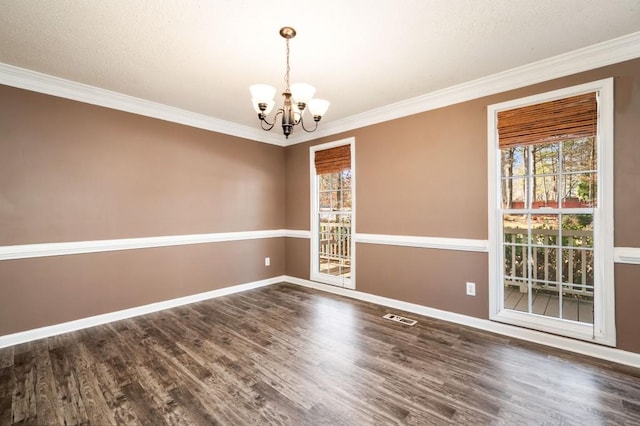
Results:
x,y
66,327
597,351
577,346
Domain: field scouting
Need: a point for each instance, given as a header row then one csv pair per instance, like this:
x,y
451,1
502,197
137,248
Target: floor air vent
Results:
x,y
398,318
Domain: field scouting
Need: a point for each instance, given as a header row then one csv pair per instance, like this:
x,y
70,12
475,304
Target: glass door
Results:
x,y
332,215
551,255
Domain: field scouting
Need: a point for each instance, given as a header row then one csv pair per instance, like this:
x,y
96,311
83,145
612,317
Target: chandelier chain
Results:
x,y
286,75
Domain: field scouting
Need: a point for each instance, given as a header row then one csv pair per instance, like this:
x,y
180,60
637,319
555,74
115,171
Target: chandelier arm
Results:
x,y
305,129
275,119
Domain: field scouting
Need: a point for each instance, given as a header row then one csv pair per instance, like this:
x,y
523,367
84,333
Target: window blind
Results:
x,y
333,160
563,119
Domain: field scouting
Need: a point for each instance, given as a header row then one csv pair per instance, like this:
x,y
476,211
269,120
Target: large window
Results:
x,y
551,212
332,207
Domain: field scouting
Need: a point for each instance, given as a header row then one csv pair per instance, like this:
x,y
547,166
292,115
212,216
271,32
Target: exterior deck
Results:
x,y
573,308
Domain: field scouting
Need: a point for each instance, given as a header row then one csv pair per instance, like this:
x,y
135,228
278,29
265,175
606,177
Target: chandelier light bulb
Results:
x,y
302,93
318,107
262,93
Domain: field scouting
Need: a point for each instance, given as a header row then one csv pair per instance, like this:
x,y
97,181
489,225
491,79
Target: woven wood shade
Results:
x,y
563,119
333,160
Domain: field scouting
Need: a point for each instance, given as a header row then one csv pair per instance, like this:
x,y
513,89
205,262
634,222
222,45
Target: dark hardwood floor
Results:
x,y
292,356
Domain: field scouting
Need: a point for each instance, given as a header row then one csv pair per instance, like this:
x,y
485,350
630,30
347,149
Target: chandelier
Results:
x,y
296,99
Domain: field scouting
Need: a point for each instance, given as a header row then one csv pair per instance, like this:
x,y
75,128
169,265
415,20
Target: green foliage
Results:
x,y
587,189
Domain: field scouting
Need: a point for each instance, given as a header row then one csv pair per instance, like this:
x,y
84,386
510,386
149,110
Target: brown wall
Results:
x,y
627,297
75,172
426,175
52,290
297,257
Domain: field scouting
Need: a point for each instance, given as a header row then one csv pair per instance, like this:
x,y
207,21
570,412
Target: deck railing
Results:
x,y
335,242
574,254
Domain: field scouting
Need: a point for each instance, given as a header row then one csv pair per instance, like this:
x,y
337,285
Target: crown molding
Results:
x,y
43,83
598,55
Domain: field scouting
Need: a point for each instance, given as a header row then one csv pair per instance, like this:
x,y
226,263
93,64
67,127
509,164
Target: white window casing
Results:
x,y
602,330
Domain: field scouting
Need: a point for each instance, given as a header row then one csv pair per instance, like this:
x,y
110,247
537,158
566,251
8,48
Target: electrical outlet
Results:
x,y
267,261
471,289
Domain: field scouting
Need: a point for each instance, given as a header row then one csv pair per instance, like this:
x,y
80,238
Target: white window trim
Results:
x,y
603,330
314,274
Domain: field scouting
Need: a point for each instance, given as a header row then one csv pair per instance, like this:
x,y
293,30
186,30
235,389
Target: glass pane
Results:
x,y
516,270
535,264
327,224
545,287
578,308
515,278
516,298
335,244
580,190
334,200
579,155
346,179
346,200
325,201
577,287
548,268
544,229
545,158
571,261
579,272
568,268
577,230
515,228
513,161
324,182
546,303
545,192
335,181
514,191
573,295
588,270
328,266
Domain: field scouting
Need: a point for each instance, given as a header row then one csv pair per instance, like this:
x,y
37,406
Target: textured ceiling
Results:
x,y
201,55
